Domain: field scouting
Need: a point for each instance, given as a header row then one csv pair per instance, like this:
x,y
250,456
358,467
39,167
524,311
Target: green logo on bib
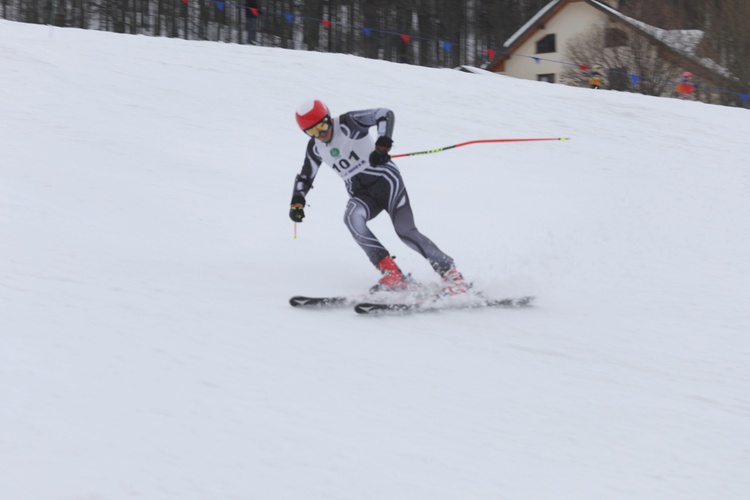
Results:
x,y
335,152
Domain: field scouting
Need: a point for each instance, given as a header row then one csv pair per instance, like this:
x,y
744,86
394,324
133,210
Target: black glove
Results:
x,y
380,156
297,210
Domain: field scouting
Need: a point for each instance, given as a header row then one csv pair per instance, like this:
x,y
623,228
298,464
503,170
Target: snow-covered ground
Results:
x,y
147,348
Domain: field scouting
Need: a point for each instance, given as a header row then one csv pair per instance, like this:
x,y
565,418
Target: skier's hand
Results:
x,y
384,142
380,156
297,212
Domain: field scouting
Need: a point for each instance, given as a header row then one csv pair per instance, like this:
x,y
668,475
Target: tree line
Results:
x,y
435,33
367,28
726,24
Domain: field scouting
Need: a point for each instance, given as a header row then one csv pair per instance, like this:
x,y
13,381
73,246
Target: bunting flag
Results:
x,y
448,46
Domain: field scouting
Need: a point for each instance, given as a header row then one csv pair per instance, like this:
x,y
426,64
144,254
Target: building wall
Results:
x,y
574,19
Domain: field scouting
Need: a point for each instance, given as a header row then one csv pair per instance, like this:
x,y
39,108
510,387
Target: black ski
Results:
x,y
439,304
301,301
339,301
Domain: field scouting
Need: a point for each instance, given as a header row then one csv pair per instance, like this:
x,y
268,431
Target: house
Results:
x,y
539,49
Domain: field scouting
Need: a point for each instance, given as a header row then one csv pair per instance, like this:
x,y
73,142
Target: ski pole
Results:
x,y
478,142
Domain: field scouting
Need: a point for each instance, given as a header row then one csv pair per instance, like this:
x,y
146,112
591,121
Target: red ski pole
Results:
x,y
479,142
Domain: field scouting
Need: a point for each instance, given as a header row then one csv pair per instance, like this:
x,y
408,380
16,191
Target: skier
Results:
x,y
596,77
685,87
374,184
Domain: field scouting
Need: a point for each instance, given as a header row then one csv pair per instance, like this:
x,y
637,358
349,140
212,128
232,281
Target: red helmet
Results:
x,y
310,113
687,74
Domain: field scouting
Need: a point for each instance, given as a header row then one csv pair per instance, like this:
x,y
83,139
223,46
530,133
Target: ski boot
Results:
x,y
393,279
453,283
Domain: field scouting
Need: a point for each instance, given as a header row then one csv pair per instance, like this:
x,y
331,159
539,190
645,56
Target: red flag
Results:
x,y
491,54
584,67
405,38
254,11
327,24
185,2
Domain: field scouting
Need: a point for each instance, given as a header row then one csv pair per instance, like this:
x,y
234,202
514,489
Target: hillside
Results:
x,y
148,349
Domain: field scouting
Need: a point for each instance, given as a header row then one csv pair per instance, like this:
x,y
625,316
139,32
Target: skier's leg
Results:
x,y
358,212
390,192
403,222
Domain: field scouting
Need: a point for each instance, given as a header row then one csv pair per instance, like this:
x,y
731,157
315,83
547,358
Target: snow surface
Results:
x,y
148,349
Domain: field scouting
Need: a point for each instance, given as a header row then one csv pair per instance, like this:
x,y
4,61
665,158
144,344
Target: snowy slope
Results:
x,y
148,349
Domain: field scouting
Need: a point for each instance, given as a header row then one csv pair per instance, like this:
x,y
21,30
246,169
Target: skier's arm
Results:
x,y
382,118
385,122
303,182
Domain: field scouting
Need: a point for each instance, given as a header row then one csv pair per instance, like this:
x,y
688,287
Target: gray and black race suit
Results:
x,y
372,189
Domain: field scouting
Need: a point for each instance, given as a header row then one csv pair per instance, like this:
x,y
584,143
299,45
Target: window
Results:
x,y
615,38
546,45
549,78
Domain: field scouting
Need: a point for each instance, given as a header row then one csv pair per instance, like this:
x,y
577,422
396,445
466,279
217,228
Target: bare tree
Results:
x,y
728,28
630,59
445,33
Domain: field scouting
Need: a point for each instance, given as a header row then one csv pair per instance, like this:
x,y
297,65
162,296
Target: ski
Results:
x,y
384,307
440,304
302,301
330,302
415,292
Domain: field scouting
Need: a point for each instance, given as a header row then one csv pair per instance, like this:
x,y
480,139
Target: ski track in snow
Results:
x,y
149,350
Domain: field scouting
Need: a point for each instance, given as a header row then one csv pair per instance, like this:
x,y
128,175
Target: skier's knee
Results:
x,y
355,217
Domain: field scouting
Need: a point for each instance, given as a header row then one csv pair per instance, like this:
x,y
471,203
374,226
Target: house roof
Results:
x,y
531,23
683,42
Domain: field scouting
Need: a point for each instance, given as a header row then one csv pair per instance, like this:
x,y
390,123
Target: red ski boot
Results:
x,y
393,279
454,283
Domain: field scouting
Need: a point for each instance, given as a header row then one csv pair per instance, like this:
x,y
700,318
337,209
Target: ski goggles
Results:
x,y
319,128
